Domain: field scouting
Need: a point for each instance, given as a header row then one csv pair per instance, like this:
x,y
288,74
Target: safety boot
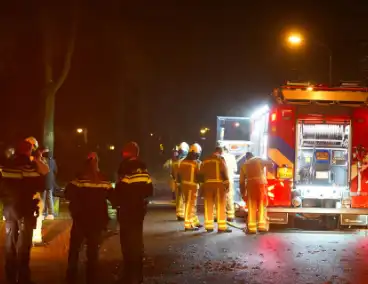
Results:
x,y
227,230
193,229
178,218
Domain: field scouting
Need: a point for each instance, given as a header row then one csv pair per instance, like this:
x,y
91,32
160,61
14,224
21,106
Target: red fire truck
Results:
x,y
316,136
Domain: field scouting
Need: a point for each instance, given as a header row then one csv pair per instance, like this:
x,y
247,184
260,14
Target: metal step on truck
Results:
x,y
317,137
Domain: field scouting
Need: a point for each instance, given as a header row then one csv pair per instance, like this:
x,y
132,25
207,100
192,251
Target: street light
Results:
x,y
204,130
83,131
296,40
111,147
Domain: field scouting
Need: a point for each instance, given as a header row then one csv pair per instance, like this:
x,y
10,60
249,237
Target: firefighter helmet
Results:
x,y
296,201
183,150
195,148
184,147
130,150
33,141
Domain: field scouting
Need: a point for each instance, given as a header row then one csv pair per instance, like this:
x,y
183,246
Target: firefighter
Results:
x,y
168,165
20,181
253,189
88,194
188,173
213,173
131,192
182,153
232,169
44,169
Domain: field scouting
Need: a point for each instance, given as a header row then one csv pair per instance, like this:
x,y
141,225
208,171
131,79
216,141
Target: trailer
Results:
x,y
316,137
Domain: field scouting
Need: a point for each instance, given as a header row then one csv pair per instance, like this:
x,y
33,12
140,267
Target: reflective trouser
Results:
x,y
78,234
256,203
179,202
190,193
48,200
230,208
172,185
214,194
18,245
131,241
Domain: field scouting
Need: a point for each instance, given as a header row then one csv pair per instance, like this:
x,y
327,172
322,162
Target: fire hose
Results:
x,y
236,226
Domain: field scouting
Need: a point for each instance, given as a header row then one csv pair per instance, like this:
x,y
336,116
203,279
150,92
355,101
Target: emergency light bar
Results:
x,y
352,88
321,94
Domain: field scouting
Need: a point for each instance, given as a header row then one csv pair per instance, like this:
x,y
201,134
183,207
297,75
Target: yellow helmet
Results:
x,y
33,141
195,148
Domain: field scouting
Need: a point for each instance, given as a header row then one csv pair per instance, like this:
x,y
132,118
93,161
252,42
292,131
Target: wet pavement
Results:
x,y
175,256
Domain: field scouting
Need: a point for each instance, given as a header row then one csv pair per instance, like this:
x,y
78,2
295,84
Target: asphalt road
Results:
x,y
175,256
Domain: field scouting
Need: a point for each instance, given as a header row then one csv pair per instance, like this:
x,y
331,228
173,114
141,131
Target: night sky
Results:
x,y
168,68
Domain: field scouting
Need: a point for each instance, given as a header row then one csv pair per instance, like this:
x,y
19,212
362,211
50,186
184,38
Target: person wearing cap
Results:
x,y
133,188
88,193
252,184
20,181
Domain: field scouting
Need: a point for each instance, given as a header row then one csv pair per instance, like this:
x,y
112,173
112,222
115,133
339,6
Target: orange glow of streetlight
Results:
x,y
79,130
295,39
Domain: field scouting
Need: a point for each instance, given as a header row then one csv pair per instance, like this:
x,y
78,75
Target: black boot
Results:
x,y
228,230
193,229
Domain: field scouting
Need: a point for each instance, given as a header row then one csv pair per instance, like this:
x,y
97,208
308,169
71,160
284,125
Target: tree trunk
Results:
x,y
53,85
48,125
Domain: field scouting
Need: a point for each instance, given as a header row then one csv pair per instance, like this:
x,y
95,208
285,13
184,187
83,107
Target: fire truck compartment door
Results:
x,y
278,218
353,220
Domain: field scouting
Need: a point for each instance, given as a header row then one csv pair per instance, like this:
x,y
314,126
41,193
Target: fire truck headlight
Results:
x,y
296,201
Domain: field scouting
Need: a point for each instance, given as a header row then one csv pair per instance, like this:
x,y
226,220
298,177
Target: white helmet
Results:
x,y
32,141
195,148
296,201
183,146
